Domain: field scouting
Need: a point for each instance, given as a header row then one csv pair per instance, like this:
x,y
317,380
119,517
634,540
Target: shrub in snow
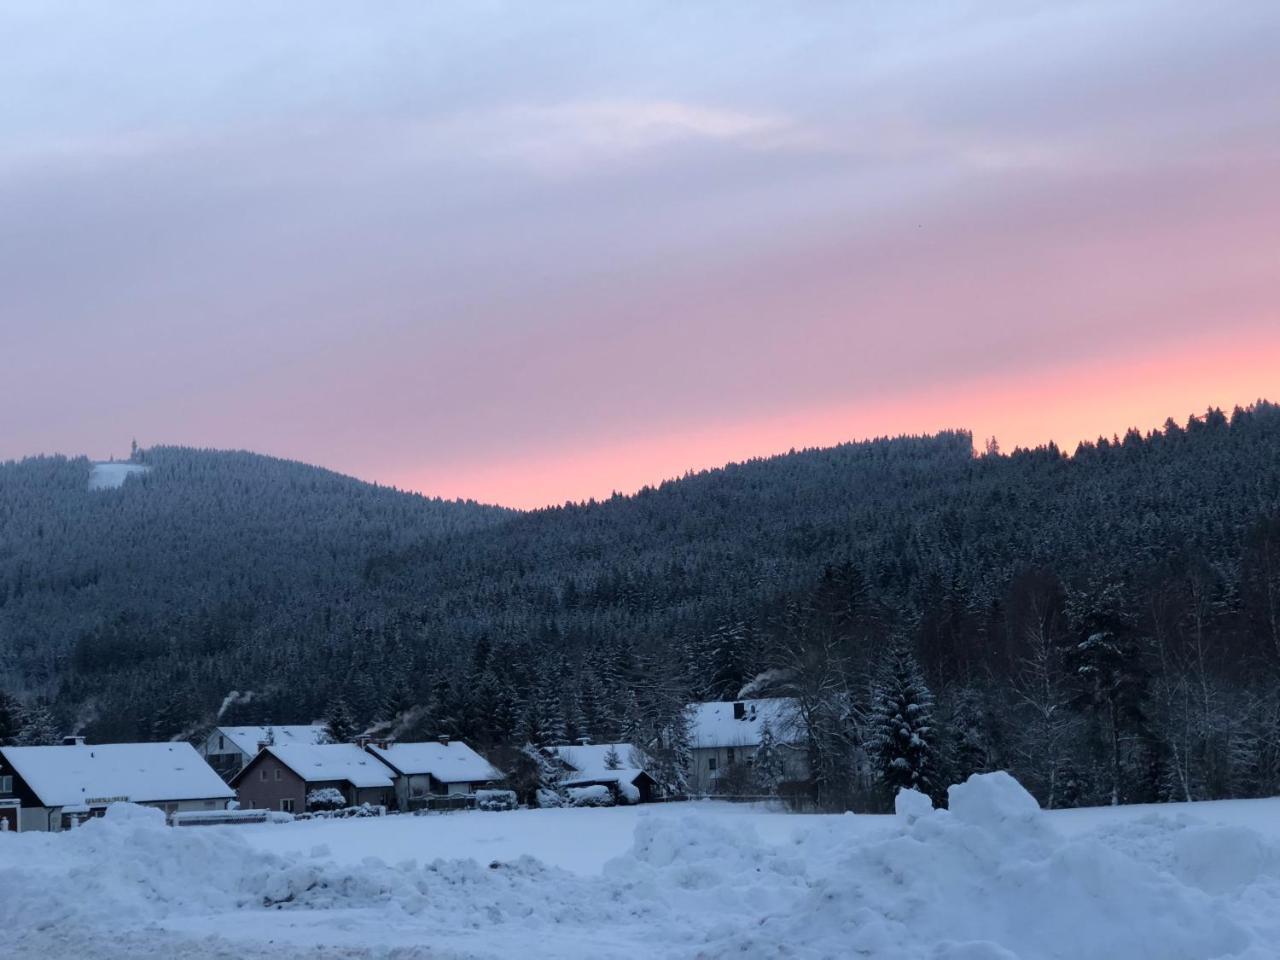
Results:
x,y
496,800
363,810
596,795
326,798
548,798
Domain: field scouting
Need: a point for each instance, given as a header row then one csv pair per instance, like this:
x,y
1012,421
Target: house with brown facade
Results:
x,y
58,787
289,777
228,749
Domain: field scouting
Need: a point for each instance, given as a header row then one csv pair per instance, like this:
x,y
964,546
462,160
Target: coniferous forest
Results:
x,y
1103,624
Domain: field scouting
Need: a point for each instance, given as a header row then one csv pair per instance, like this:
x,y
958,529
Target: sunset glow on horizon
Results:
x,y
1067,406
542,253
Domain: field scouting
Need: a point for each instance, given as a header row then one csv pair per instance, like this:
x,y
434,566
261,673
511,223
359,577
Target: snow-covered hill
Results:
x,y
993,878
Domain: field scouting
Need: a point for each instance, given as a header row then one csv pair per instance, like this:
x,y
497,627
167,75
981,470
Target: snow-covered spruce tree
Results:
x,y
611,759
339,724
39,728
768,766
1113,680
10,718
901,727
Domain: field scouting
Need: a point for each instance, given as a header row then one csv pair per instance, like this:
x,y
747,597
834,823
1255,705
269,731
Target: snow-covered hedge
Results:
x,y
363,810
326,798
549,798
496,800
596,795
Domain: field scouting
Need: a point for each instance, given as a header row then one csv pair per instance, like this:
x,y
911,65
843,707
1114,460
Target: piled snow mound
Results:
x,y
989,879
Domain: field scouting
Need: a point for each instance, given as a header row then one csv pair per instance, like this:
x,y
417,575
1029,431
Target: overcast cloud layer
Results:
x,y
531,252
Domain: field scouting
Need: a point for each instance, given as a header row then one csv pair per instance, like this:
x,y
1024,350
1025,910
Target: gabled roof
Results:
x,y
64,776
328,761
246,739
714,724
452,762
590,763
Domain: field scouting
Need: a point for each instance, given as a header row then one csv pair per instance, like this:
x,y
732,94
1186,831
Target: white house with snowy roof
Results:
x,y
618,766
229,749
433,768
57,787
724,737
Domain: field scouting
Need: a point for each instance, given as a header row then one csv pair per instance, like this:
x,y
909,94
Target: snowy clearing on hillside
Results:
x,y
109,476
993,878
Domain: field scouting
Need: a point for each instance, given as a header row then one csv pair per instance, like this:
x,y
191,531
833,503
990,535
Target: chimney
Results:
x,y
263,744
739,711
444,739
383,743
362,741
73,741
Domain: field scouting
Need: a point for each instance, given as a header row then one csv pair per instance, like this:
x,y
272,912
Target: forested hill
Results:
x,y
138,610
196,554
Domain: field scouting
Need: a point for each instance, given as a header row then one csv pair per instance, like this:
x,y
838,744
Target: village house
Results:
x,y
442,767
229,749
617,766
284,776
58,787
724,737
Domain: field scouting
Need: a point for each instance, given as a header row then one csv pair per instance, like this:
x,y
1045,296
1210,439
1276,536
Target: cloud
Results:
x,y
575,137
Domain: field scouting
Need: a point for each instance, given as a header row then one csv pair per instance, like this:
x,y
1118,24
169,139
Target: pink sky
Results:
x,y
535,253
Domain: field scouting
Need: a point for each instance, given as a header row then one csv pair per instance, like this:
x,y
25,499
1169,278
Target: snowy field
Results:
x,y
109,476
991,879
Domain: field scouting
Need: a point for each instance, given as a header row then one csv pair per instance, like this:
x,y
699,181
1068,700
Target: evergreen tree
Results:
x,y
611,759
768,766
10,719
339,724
1113,678
39,728
901,727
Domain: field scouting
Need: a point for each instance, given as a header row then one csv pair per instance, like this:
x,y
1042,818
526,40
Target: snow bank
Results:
x,y
989,879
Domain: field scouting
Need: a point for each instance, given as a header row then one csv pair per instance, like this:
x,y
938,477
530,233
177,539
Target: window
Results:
x,y
711,763
279,774
262,773
222,745
286,806
6,784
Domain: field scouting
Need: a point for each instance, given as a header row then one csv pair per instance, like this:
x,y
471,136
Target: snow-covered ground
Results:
x,y
108,476
991,879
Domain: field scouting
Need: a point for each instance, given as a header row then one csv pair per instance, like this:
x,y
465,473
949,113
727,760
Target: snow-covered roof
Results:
x,y
332,761
96,774
715,725
591,761
246,739
452,762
